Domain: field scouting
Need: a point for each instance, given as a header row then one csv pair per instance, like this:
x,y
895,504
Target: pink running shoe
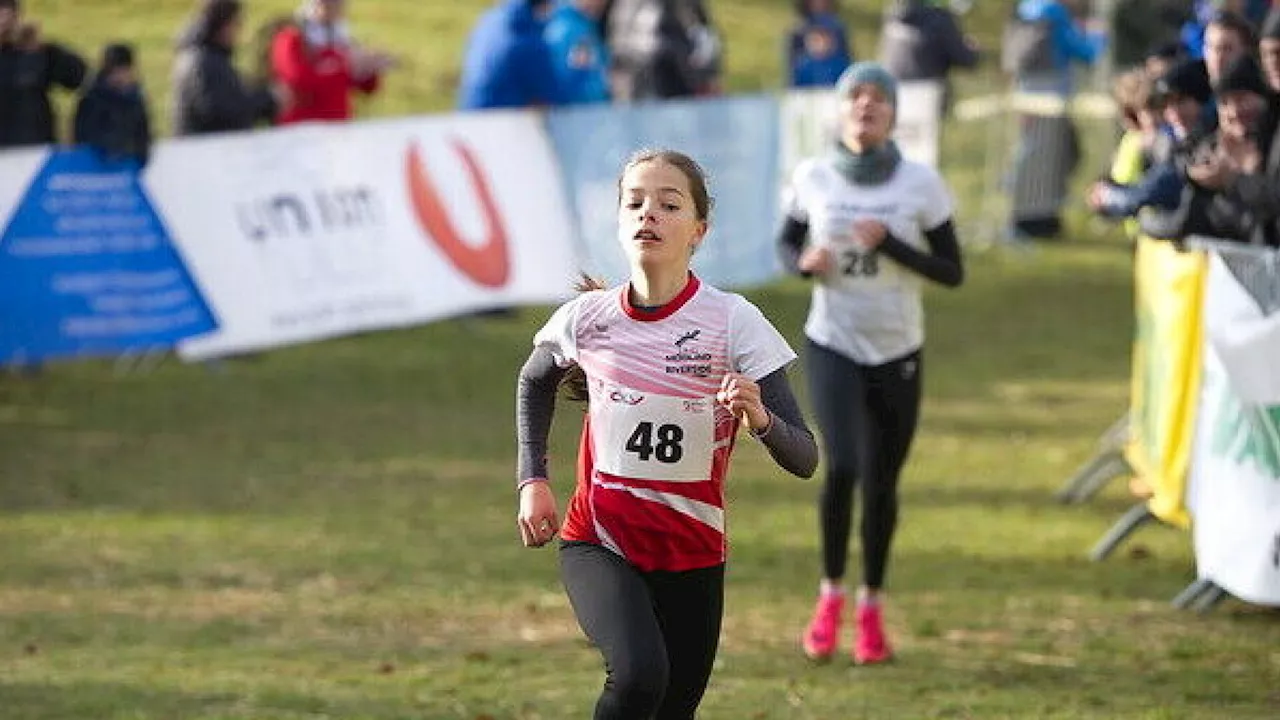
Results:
x,y
871,645
824,629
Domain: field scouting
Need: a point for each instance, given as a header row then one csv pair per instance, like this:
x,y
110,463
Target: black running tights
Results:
x,y
658,631
867,416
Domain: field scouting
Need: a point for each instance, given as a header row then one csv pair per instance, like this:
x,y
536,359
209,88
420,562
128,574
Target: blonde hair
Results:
x,y
1134,92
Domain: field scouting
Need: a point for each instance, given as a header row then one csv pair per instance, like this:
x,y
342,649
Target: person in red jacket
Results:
x,y
315,59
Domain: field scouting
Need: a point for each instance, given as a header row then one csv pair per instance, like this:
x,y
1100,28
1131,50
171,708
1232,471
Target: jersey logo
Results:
x,y
692,335
626,398
596,331
701,361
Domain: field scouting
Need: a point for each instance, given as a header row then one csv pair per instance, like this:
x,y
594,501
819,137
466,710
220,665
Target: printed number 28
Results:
x,y
667,449
864,264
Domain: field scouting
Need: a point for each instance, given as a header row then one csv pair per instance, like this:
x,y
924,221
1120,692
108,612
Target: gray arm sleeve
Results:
x,y
788,439
535,407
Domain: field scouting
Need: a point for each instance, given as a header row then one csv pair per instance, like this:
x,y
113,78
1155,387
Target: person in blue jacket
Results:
x,y
1069,43
821,63
817,45
579,55
507,62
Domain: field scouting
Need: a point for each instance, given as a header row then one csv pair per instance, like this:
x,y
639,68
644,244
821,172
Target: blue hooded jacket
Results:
x,y
507,63
578,52
1069,42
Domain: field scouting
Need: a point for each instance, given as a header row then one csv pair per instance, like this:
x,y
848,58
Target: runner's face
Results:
x,y
658,224
868,116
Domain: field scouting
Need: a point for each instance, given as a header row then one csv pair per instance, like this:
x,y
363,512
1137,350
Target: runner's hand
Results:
x,y
537,517
742,395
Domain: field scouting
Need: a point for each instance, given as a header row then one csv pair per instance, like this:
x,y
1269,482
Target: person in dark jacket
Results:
x,y
508,64
1136,27
922,40
1233,190
30,68
112,115
664,49
209,94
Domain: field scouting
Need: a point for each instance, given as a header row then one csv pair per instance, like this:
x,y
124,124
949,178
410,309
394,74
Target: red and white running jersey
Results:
x,y
656,445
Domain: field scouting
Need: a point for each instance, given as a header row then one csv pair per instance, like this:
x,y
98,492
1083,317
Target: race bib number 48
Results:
x,y
653,437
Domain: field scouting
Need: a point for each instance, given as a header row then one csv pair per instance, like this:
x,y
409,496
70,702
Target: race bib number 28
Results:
x,y
653,437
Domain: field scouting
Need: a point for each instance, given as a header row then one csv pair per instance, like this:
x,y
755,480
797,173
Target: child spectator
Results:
x,y
112,115
816,44
1145,141
820,63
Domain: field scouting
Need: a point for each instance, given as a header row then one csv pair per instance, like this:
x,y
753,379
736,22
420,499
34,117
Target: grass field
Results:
x,y
328,531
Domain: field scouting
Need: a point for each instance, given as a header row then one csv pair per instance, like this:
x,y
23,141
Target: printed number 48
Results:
x,y
667,449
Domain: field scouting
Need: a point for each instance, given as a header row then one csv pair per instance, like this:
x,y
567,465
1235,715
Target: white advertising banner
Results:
x,y
810,124
1234,493
18,166
317,231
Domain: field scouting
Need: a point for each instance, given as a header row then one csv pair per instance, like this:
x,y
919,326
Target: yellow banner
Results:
x,y
1168,293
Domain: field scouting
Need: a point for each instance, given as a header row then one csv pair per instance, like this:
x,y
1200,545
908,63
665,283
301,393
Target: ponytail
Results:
x,y
574,383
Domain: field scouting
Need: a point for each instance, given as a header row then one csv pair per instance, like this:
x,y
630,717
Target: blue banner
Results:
x,y
87,267
734,139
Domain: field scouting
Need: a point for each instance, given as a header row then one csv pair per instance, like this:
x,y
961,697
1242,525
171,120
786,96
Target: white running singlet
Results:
x,y
870,308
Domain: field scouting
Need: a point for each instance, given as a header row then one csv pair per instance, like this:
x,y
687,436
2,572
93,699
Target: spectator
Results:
x,y
1227,37
817,44
29,69
1162,58
1136,27
1184,93
112,115
507,63
1140,109
209,94
1041,42
1269,49
922,40
1234,190
1194,31
314,57
578,52
820,64
664,49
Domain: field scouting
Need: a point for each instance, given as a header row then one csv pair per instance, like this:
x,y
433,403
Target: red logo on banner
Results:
x,y
489,263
